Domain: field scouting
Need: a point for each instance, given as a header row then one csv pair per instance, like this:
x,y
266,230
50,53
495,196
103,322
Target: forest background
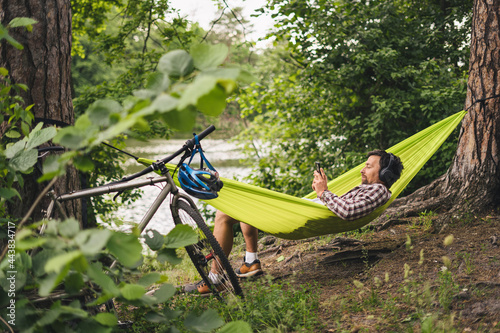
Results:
x,y
331,88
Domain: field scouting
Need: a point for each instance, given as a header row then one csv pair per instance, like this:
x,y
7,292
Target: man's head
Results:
x,y
381,167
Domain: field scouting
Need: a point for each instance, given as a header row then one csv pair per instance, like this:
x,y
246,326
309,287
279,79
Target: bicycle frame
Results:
x,y
183,209
170,187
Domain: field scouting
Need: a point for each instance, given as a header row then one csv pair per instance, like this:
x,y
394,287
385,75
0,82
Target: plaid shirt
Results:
x,y
358,202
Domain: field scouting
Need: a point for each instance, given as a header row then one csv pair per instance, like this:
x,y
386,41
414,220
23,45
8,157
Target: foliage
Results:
x,y
272,307
63,277
17,146
71,269
358,76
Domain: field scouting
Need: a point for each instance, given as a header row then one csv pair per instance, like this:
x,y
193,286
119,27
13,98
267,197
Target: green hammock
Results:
x,y
289,217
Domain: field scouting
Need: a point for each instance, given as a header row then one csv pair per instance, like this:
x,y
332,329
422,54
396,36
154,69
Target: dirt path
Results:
x,y
398,279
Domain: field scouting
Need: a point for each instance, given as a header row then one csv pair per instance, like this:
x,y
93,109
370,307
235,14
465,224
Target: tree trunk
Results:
x,y
472,184
45,67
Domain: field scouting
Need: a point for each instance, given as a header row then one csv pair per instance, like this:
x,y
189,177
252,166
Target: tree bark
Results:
x,y
472,184
44,65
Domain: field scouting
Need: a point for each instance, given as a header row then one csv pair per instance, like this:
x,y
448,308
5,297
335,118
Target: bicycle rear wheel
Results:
x,y
207,251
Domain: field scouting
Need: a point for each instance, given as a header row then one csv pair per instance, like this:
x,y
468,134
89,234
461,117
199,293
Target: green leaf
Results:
x,y
83,163
153,239
208,321
104,281
236,326
73,283
14,149
52,167
181,235
177,63
163,103
8,193
56,263
36,138
13,134
99,112
92,241
21,22
29,243
164,293
201,86
24,160
106,319
69,228
132,291
4,34
213,103
148,279
158,82
40,259
207,56
125,247
51,281
183,120
168,255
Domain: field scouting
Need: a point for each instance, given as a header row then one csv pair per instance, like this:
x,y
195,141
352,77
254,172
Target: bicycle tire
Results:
x,y
206,250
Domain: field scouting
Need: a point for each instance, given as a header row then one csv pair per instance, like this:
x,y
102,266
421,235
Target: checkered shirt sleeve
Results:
x,y
358,202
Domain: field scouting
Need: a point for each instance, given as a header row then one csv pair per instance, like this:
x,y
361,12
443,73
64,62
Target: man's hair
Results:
x,y
389,171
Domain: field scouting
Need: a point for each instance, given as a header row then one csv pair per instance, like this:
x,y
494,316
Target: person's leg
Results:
x,y
251,266
251,235
223,231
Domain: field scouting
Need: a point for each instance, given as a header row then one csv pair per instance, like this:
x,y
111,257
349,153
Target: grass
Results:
x,y
269,307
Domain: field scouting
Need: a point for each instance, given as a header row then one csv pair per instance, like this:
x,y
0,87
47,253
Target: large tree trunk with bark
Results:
x,y
44,65
472,184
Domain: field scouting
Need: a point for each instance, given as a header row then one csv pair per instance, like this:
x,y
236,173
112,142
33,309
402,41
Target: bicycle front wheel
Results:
x,y
207,252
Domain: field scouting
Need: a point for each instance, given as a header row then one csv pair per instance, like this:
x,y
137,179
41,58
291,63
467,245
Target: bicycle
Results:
x,y
183,210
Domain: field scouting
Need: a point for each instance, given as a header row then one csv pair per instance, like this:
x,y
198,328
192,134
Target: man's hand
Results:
x,y
320,182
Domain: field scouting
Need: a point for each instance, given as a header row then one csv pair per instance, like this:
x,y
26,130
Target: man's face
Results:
x,y
370,173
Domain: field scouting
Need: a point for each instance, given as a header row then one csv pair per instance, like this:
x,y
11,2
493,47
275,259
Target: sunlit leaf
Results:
x,y
149,279
177,63
132,291
168,255
69,228
181,235
24,160
153,239
104,281
56,263
208,321
181,120
106,319
207,56
164,293
213,103
73,283
126,248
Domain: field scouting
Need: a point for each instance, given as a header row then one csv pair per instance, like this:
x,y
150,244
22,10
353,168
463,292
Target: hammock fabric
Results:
x,y
289,217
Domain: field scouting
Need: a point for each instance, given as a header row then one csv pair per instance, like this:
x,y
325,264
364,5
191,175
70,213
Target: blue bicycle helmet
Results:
x,y
202,183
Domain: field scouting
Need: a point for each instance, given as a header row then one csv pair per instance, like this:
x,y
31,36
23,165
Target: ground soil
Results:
x,y
377,259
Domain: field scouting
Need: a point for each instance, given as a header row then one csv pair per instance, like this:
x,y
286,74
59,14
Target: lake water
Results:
x,y
224,155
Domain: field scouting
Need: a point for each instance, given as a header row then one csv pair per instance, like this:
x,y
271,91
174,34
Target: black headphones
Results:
x,y
386,175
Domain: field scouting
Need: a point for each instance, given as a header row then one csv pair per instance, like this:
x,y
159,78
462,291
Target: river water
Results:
x,y
224,155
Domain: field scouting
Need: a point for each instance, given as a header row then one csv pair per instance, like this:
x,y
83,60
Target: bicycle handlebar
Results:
x,y
188,145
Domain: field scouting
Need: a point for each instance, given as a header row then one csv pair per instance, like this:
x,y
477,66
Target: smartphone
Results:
x,y
318,166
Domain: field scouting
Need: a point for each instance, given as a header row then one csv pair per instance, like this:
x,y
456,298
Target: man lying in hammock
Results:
x,y
381,170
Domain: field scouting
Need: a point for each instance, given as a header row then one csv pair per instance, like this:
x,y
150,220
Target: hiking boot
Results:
x,y
202,288
248,270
